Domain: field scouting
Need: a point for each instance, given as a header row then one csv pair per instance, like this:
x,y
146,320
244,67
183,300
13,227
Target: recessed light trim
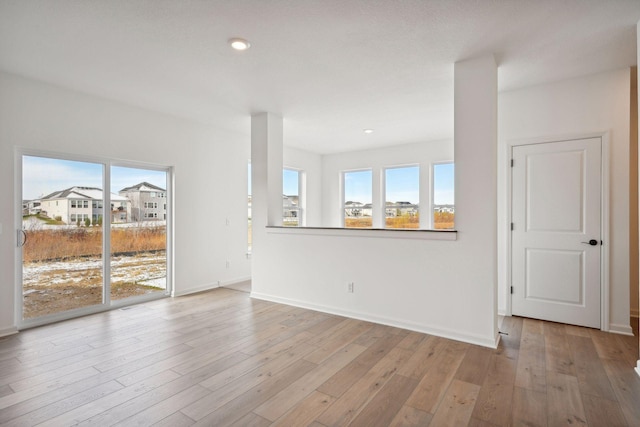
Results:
x,y
239,43
368,131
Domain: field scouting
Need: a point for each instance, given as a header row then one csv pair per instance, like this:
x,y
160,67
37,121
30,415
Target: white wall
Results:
x,y
311,164
573,107
210,174
441,287
423,154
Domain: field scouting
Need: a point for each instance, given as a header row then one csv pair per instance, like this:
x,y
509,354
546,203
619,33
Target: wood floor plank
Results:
x,y
161,410
609,347
423,358
177,419
235,409
457,405
494,400
252,420
55,409
109,401
349,405
592,377
306,411
531,369
224,392
5,390
558,355
529,408
222,358
627,388
603,412
328,347
433,385
474,366
282,402
564,402
411,417
384,406
342,380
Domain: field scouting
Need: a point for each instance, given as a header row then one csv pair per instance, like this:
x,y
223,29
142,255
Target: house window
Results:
x,y
443,196
291,211
85,204
74,204
402,197
357,195
73,218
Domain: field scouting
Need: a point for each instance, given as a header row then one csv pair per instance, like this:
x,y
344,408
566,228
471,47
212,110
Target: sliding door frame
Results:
x,y
107,304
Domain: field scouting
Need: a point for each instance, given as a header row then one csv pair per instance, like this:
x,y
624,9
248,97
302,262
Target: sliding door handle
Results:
x,y
22,241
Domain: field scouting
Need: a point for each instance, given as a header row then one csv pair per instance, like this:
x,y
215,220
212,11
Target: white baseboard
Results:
x,y
638,368
210,286
197,289
398,323
620,329
8,331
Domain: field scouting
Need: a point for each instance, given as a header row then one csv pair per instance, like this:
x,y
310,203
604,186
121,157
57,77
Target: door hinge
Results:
x,y
511,226
511,290
512,162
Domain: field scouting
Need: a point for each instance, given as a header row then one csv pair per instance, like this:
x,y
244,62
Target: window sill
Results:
x,y
367,232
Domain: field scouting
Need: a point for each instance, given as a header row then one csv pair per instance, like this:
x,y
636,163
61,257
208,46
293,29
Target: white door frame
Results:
x,y
604,248
107,303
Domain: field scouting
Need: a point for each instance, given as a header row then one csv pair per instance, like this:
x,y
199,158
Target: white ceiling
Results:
x,y
331,68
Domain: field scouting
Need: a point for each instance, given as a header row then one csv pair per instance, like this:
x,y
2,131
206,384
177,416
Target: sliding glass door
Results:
x,y
138,232
68,265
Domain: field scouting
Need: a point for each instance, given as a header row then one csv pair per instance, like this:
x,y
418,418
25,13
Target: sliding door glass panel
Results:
x,y
138,216
443,196
62,236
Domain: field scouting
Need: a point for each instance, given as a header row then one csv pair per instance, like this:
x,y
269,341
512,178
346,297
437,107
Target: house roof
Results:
x,y
330,67
143,186
80,192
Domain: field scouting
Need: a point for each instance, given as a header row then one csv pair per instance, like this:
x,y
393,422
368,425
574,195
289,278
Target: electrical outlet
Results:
x,y
350,287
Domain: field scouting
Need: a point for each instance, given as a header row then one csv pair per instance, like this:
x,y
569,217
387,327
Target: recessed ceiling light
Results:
x,y
239,44
368,131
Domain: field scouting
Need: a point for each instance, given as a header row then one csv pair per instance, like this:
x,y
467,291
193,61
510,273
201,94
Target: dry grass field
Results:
x,y
442,221
62,268
45,245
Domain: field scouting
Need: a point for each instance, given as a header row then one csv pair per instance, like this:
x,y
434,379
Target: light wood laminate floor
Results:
x,y
219,358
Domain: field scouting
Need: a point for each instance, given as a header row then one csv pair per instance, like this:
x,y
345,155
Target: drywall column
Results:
x,y
266,170
475,146
266,185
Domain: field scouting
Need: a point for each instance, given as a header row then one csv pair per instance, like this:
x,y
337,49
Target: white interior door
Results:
x,y
556,237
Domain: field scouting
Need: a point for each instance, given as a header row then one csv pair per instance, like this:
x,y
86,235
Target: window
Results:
x,y
443,196
357,199
401,209
85,204
74,204
73,218
249,207
291,212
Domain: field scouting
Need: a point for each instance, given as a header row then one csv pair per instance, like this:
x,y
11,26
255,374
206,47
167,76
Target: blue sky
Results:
x,y
42,176
402,185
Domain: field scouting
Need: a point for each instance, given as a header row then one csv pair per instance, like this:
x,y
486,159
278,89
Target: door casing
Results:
x,y
604,217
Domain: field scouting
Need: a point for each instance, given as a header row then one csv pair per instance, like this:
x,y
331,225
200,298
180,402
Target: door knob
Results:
x,y
592,242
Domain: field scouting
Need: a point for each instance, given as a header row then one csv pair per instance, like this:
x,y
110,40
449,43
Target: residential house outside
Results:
x,y
77,204
148,202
